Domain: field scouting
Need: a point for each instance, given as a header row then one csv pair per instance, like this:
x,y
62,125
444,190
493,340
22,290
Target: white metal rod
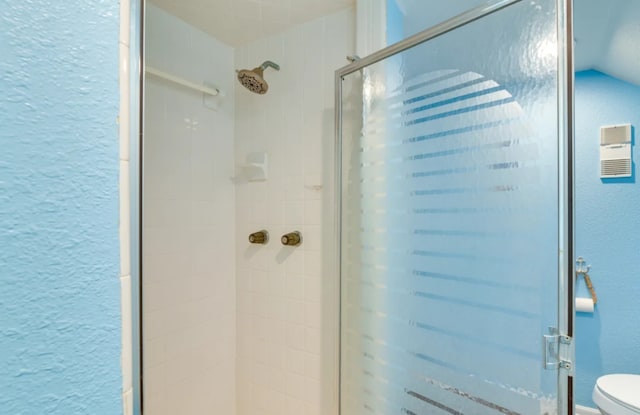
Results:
x,y
188,84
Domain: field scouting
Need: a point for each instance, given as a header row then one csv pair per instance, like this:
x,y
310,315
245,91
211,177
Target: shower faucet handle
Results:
x,y
291,239
260,237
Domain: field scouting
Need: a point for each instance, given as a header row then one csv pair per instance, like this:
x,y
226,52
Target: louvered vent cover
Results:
x,y
615,151
615,168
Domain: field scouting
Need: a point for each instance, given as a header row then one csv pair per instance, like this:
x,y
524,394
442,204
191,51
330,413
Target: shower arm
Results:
x,y
269,64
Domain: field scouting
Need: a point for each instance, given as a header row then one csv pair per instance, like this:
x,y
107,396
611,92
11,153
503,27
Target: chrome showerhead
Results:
x,y
254,80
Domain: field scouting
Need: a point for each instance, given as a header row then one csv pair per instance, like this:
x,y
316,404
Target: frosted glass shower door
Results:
x,y
452,220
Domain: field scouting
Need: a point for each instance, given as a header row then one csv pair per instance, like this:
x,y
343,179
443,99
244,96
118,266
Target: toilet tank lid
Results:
x,y
624,389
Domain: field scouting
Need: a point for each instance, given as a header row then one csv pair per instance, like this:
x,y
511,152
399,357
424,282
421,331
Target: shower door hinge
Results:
x,y
557,351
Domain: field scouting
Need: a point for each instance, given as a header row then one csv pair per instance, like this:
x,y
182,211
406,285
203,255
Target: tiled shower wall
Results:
x,y
189,218
287,296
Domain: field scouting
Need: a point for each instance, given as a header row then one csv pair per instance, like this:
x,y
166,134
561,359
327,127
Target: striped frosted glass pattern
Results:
x,y
450,222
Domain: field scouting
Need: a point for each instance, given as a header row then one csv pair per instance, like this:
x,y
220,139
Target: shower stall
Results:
x,y
235,321
392,238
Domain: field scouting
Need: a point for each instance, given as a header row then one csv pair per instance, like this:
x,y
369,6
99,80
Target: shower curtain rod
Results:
x,y
188,84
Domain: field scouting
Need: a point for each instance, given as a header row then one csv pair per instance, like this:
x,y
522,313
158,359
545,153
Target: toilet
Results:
x,y
618,394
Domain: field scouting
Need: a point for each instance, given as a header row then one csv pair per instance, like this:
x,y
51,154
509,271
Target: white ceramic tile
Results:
x,y
260,311
312,340
312,409
154,351
125,222
313,186
294,263
278,332
277,283
204,213
153,326
313,390
166,240
312,264
127,402
276,308
125,21
260,215
295,336
244,405
180,396
313,289
313,366
276,212
312,212
162,267
155,390
313,314
294,406
202,400
157,29
125,99
269,375
295,312
294,187
296,361
127,333
245,349
181,368
166,212
243,281
259,281
296,386
312,237
269,400
295,286
294,213
313,161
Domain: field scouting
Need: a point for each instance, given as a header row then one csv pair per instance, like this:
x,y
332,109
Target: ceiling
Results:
x,y
606,32
607,35
238,22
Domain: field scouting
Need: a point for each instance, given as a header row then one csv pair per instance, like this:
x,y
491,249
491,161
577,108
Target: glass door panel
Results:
x,y
450,221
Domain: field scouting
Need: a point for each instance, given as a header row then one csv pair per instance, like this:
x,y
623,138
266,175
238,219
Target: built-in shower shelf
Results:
x,y
256,168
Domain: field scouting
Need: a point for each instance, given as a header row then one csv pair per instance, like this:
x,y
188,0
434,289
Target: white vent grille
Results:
x,y
615,151
615,168
615,134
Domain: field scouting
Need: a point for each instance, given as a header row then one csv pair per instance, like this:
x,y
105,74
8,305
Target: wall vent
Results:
x,y
615,151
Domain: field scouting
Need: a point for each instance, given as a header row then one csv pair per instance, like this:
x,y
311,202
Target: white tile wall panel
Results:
x,y
189,219
286,302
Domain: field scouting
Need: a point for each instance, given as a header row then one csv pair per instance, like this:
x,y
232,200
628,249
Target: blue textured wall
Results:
x,y
59,287
607,235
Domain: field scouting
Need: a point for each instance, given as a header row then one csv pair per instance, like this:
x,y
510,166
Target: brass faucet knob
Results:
x,y
260,237
291,239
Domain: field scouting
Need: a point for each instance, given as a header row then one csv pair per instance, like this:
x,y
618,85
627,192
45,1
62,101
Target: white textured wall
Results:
x,y
287,297
188,234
